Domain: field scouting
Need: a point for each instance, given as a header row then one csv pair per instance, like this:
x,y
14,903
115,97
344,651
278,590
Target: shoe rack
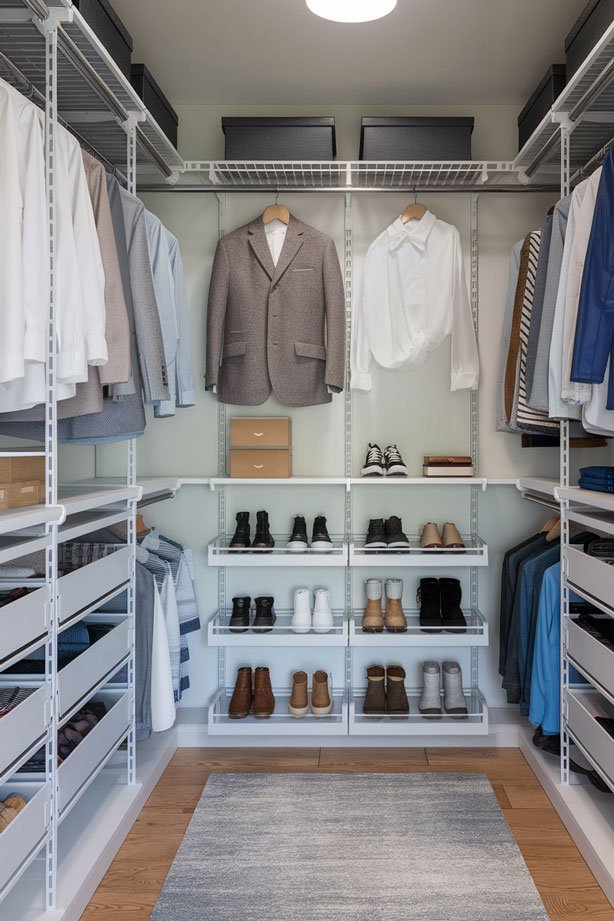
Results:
x,y
349,554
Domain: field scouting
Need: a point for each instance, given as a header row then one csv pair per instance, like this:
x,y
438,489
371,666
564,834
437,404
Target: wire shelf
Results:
x,y
221,554
219,632
475,633
414,723
474,553
280,723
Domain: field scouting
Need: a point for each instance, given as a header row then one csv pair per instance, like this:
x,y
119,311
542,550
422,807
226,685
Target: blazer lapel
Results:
x,y
260,246
292,244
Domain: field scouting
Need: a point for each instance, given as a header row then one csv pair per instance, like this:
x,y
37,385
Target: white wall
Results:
x,y
413,408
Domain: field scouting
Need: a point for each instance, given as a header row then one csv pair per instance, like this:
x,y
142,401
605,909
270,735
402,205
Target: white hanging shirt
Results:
x,y
275,236
414,295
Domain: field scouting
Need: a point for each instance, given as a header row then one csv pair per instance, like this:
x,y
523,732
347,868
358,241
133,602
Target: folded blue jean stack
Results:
x,y
599,479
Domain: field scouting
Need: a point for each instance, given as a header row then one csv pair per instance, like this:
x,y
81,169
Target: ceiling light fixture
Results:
x,y
351,10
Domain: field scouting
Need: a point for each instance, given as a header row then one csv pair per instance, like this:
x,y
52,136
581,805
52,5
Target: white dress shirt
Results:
x,y
414,295
275,236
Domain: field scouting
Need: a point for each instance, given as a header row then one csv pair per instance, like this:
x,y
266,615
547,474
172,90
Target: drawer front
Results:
x,y
245,462
267,432
592,656
25,834
591,577
87,588
22,623
583,708
87,757
23,727
77,680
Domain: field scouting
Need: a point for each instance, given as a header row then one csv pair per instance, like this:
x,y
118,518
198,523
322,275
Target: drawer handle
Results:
x,y
258,466
258,434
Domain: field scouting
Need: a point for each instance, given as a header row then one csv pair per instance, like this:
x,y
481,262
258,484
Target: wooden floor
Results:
x,y
131,887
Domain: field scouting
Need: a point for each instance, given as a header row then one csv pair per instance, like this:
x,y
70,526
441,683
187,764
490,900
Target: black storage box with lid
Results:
x,y
540,102
102,18
409,138
155,101
593,21
279,138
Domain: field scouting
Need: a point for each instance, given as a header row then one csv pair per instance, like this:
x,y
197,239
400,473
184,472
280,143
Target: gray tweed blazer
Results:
x,y
277,329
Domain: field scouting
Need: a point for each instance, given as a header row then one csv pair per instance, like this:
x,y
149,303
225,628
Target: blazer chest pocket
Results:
x,y
233,350
309,350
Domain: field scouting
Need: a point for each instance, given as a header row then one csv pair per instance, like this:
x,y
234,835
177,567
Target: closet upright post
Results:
x,y
221,469
473,424
348,273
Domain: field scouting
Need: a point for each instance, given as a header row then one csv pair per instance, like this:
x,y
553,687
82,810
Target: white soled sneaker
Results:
x,y
374,462
393,462
301,618
322,612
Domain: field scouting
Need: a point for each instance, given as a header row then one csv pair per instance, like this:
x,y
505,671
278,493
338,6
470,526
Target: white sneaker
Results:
x,y
322,612
301,618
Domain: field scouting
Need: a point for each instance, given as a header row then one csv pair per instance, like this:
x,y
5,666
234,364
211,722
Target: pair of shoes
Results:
x,y
454,701
263,539
10,809
320,539
386,463
391,698
431,537
440,606
264,617
320,703
374,620
257,698
303,620
386,534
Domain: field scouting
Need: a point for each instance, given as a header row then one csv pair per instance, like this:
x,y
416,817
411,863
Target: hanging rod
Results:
x,y
468,189
594,161
158,497
539,500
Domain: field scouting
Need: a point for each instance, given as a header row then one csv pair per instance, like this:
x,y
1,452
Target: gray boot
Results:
x,y
453,697
430,702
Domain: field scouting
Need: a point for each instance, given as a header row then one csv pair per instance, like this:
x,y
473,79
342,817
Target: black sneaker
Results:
x,y
241,536
374,462
320,539
376,535
265,615
239,619
298,539
263,538
393,462
395,538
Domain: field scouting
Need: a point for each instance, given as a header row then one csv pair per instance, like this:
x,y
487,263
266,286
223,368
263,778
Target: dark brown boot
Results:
x,y
396,695
242,696
375,699
264,701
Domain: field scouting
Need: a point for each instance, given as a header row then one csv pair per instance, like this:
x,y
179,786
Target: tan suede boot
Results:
x,y
298,706
373,618
375,699
321,700
396,622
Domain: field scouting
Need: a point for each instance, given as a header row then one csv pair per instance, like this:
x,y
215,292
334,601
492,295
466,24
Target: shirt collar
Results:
x,y
416,232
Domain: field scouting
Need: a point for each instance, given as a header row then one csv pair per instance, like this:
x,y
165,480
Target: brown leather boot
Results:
x,y
373,618
396,695
396,622
375,699
264,701
321,701
241,701
299,699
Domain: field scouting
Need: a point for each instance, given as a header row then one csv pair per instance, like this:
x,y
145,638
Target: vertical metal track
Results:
x,y
348,273
221,469
51,460
473,427
566,131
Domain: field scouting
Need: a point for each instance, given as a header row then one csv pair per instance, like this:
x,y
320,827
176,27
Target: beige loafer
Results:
x,y
451,537
430,536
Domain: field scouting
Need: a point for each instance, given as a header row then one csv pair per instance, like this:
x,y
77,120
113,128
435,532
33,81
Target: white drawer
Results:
x,y
78,679
88,588
594,659
592,578
21,840
584,706
22,624
23,728
83,763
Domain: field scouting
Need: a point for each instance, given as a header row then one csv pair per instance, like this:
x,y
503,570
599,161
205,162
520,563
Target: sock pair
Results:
x,y
453,697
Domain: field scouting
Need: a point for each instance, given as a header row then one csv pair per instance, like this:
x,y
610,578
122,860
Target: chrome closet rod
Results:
x,y
594,161
144,187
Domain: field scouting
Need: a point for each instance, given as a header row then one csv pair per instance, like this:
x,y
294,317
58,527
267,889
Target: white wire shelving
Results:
x,y
414,723
280,723
221,554
474,553
219,632
474,634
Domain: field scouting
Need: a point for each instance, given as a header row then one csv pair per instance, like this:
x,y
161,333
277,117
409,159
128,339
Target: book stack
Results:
x,y
455,465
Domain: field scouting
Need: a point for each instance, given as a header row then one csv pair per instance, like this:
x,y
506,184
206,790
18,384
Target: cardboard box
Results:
x,y
245,462
261,432
21,469
19,495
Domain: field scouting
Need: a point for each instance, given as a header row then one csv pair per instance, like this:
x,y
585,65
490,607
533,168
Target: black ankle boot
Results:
x,y
265,615
241,535
263,536
429,599
239,619
451,613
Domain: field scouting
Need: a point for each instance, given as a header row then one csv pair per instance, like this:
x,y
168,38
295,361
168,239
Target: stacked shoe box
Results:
x,y
261,447
22,480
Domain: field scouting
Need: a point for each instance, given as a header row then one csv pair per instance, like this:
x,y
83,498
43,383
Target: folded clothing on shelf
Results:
x,y
601,628
598,479
600,547
71,643
76,729
12,697
12,595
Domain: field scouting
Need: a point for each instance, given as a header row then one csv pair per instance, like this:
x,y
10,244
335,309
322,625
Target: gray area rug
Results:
x,y
348,847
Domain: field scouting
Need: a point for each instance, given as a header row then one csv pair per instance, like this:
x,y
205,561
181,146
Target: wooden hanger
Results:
x,y
554,533
276,212
550,211
414,211
549,524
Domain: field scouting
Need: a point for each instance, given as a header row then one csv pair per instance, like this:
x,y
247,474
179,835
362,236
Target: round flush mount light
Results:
x,y
351,10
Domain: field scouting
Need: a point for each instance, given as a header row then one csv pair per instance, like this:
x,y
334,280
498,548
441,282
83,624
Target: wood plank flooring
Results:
x,y
131,887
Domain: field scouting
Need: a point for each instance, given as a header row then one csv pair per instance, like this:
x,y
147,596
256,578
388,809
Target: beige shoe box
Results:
x,y
261,447
19,495
20,469
260,463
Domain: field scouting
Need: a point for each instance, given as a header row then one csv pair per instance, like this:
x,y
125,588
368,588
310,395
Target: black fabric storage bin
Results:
x,y
408,138
279,138
155,101
540,102
100,15
588,29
